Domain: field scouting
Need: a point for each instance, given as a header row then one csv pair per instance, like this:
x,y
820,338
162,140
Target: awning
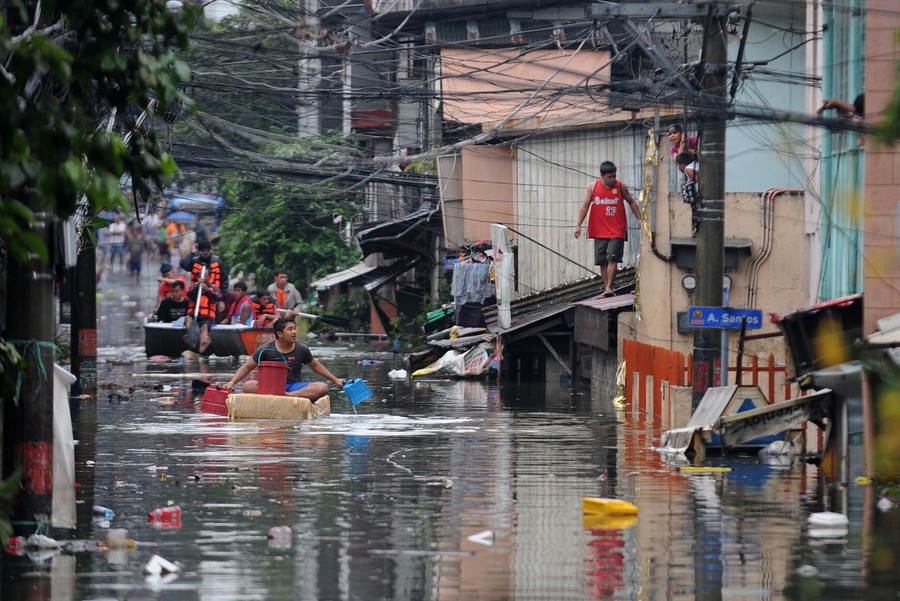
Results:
x,y
399,238
557,308
357,271
387,274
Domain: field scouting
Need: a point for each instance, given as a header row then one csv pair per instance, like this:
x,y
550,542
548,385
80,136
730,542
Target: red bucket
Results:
x,y
272,377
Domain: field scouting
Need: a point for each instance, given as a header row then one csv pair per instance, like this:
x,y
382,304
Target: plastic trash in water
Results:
x,y
117,546
828,526
15,545
603,506
483,538
280,537
828,519
165,517
779,447
157,566
39,541
103,513
117,537
397,374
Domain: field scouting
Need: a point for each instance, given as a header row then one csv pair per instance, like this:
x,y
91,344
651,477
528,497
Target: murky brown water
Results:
x,y
438,489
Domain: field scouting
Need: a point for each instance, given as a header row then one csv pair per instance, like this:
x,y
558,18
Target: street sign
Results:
x,y
724,317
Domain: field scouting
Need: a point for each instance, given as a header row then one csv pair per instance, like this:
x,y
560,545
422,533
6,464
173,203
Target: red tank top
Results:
x,y
607,217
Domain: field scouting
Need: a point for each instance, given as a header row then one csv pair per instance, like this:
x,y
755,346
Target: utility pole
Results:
x,y
309,69
80,286
28,420
711,214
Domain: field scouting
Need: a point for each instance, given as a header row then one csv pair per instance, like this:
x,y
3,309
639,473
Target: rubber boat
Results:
x,y
227,340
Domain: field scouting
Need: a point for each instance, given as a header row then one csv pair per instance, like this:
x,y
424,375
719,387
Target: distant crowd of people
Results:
x,y
126,236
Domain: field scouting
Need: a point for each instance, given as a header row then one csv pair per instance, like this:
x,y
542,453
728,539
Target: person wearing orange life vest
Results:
x,y
206,315
203,257
263,308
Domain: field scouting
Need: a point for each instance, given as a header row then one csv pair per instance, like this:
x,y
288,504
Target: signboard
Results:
x,y
724,317
741,427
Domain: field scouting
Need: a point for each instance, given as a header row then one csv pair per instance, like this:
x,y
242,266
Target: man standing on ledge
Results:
x,y
608,223
296,354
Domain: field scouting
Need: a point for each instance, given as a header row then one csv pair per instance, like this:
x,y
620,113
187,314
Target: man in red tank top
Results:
x,y
608,223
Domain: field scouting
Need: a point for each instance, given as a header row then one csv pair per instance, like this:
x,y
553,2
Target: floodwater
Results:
x,y
438,489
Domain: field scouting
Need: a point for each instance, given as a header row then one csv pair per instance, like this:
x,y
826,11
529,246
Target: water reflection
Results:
x,y
435,489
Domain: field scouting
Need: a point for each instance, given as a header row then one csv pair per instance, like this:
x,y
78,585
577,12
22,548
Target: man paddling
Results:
x,y
295,354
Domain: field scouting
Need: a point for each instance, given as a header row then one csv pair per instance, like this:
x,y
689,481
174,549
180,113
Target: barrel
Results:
x,y
272,377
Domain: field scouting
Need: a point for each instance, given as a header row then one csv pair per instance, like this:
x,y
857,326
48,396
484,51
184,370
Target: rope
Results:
x,y
34,347
545,247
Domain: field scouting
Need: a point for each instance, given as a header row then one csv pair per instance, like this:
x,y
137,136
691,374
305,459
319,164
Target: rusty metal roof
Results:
x,y
549,308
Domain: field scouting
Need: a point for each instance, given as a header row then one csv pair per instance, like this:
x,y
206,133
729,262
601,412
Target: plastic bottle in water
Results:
x,y
104,513
165,517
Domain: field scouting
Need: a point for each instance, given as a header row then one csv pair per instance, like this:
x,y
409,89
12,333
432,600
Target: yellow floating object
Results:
x,y
594,505
690,469
598,521
863,481
276,406
425,371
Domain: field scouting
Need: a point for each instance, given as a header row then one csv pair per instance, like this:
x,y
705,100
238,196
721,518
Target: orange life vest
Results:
x,y
207,309
213,271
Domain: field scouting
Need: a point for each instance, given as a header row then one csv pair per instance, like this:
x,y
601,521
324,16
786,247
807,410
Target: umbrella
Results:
x,y
182,216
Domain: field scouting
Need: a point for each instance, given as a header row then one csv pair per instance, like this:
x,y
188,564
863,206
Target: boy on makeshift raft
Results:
x,y
295,354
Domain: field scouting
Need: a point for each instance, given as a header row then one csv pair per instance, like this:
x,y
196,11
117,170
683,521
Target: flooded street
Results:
x,y
434,489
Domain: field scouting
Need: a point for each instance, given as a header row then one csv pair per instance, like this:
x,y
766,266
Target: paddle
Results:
x,y
335,320
193,335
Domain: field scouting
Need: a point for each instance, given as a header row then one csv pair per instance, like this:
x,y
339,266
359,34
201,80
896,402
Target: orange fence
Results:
x,y
656,368
650,370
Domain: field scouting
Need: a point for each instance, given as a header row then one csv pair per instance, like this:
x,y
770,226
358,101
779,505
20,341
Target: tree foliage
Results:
x,y
289,225
66,68
284,190
69,70
245,71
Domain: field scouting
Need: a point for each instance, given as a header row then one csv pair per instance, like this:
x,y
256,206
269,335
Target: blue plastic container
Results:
x,y
357,391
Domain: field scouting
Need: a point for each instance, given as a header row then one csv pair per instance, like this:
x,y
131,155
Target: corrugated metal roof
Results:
x,y
713,404
345,275
550,305
553,173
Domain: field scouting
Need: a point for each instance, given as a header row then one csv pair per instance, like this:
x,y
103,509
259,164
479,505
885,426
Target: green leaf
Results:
x,y
9,490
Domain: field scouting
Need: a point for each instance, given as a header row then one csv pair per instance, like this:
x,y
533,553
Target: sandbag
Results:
x,y
276,406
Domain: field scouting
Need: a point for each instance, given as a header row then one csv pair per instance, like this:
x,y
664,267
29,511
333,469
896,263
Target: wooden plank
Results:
x,y
556,356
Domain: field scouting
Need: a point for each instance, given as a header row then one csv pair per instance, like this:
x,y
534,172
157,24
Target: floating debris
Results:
x,y
483,538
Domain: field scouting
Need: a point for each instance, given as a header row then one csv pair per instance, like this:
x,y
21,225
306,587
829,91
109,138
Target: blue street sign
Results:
x,y
724,317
